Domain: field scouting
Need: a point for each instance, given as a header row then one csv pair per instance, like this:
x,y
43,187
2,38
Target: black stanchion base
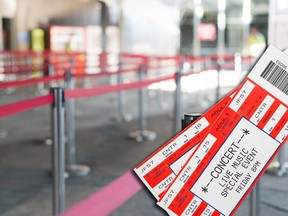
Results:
x,y
141,136
79,170
277,170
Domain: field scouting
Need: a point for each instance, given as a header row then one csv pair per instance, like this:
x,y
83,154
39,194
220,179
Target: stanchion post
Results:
x,y
142,134
71,166
48,141
51,73
159,92
254,209
142,100
186,121
58,151
70,125
177,102
217,96
39,59
121,117
189,118
238,63
282,161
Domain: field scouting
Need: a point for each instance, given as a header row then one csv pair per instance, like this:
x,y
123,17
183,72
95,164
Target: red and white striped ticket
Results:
x,y
238,146
159,169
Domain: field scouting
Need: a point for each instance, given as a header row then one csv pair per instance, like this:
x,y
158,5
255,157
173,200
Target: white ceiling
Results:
x,y
8,8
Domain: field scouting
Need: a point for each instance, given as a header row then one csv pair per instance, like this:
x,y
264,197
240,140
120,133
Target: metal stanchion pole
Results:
x,y
282,161
71,166
217,96
159,93
238,63
40,73
142,101
177,103
255,200
121,117
143,134
189,118
86,80
51,73
49,141
58,151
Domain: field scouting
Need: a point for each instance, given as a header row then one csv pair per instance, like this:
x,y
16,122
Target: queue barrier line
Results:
x,y
14,68
23,68
162,66
46,57
68,66
213,67
209,57
108,198
29,69
77,93
106,73
31,81
25,105
12,56
227,65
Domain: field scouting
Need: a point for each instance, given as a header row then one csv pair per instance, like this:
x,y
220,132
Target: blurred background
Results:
x,y
189,53
151,27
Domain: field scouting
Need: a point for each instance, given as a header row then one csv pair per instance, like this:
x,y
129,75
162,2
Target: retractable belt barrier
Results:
x,y
77,93
25,105
57,98
32,81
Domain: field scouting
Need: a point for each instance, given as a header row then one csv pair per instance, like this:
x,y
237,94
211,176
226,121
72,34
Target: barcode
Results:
x,y
277,76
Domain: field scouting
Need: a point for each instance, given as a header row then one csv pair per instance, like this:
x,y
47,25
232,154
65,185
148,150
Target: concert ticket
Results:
x,y
238,146
158,170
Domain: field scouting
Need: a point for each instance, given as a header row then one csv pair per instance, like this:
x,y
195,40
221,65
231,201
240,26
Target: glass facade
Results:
x,y
239,17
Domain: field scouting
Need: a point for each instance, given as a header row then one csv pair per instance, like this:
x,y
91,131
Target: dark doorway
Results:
x,y
6,33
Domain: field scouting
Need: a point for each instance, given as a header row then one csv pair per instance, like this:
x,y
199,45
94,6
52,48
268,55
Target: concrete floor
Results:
x,y
102,144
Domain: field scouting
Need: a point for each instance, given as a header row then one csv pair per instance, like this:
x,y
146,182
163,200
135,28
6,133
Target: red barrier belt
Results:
x,y
76,93
106,73
21,106
228,65
26,82
32,81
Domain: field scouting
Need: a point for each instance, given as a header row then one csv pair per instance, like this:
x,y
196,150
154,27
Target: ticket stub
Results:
x,y
238,146
159,170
